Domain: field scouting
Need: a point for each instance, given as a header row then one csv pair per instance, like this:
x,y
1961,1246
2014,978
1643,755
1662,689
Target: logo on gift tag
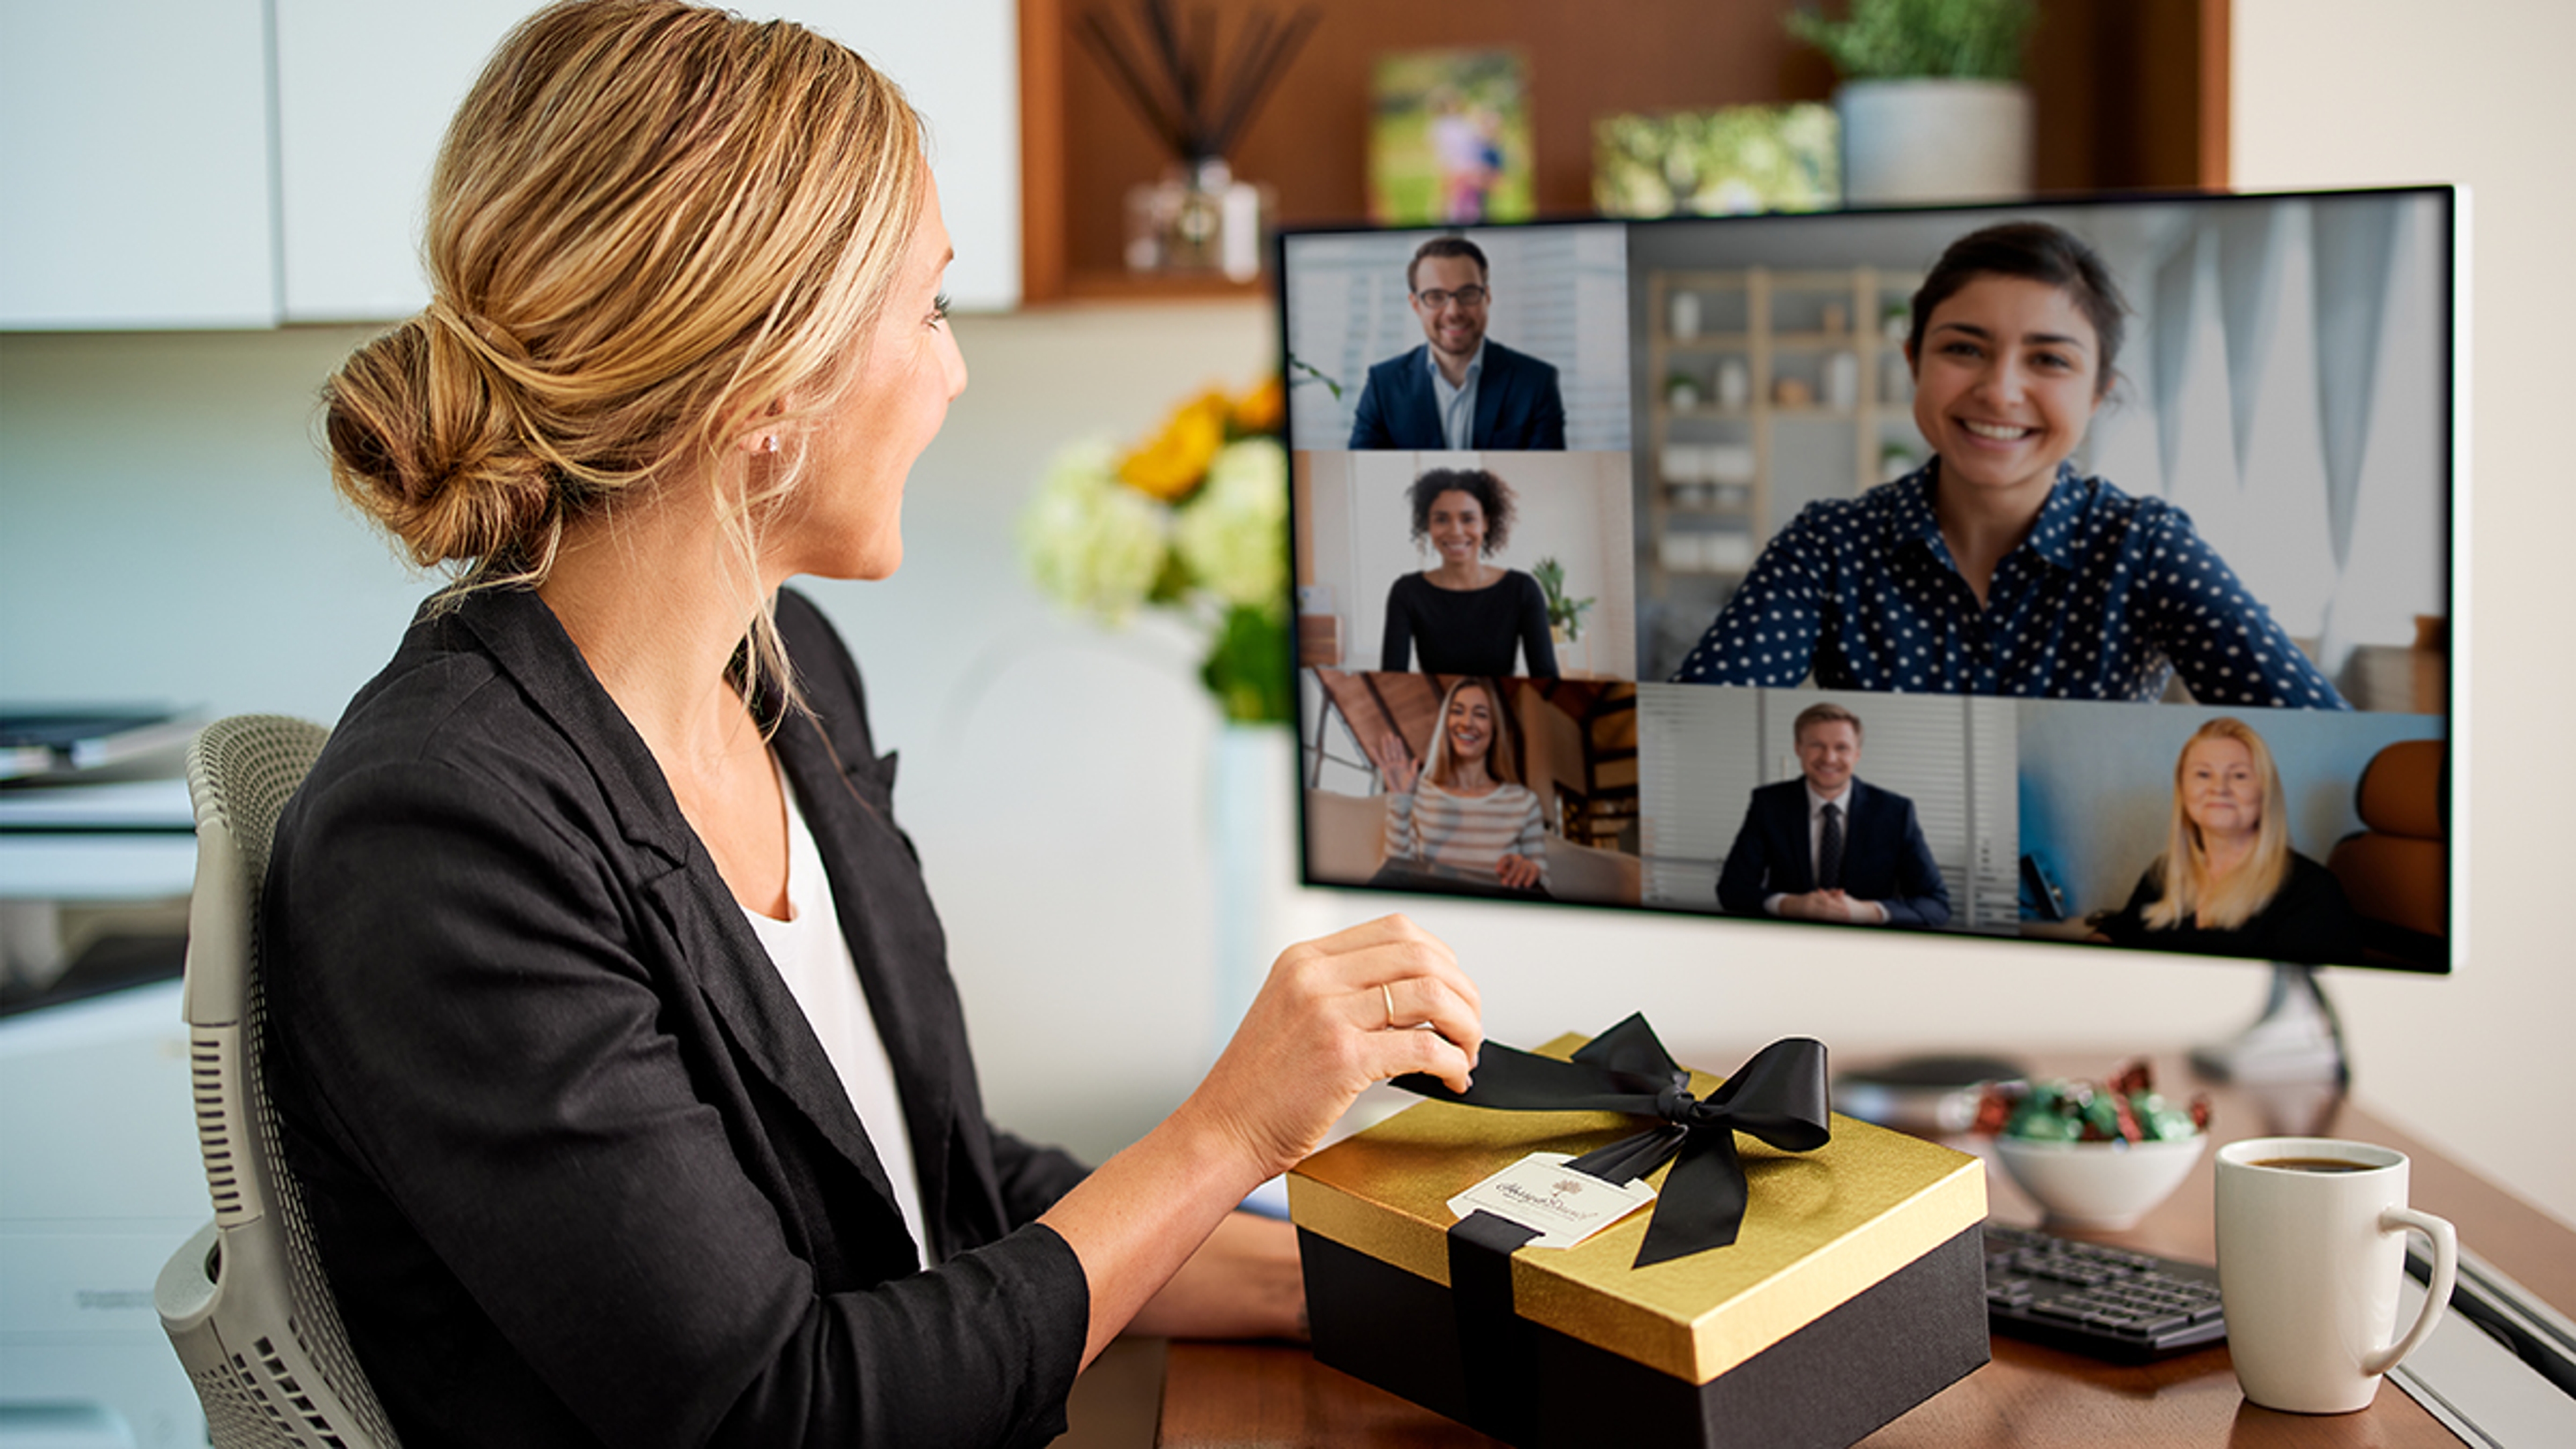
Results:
x,y
1562,1207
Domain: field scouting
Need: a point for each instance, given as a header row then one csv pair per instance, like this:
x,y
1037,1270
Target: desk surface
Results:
x,y
1217,1395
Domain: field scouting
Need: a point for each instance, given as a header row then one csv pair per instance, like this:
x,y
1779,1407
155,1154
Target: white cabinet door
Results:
x,y
958,62
364,92
366,87
135,188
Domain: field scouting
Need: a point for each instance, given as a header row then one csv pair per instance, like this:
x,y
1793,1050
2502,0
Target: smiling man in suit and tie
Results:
x,y
1828,847
1458,391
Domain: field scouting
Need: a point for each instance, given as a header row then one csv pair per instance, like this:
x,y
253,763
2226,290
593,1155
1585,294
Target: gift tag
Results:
x,y
1563,1206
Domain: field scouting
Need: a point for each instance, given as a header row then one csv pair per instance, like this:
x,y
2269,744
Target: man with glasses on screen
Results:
x,y
1829,847
1458,391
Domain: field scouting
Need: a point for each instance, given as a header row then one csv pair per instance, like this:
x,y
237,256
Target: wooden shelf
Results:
x,y
2127,96
1126,286
1752,293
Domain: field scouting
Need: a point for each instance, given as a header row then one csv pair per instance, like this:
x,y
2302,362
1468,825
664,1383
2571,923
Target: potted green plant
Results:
x,y
1931,100
1564,615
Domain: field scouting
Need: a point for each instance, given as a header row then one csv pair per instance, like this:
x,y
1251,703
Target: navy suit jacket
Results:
x,y
1518,408
1885,858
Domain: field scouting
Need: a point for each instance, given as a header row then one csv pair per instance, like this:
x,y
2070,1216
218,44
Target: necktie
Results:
x,y
1829,851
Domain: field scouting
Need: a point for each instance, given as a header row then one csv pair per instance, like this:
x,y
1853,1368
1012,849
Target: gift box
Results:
x,y
1853,1288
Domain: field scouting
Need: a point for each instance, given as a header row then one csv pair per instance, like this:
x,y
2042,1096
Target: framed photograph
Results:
x,y
1449,138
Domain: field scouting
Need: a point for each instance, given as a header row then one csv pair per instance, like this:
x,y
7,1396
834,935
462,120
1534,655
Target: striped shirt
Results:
x,y
1466,834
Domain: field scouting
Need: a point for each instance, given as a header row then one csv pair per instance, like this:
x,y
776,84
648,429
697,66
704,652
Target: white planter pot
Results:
x,y
1252,840
1934,140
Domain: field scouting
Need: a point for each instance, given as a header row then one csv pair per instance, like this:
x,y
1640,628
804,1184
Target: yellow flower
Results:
x,y
1172,466
1261,410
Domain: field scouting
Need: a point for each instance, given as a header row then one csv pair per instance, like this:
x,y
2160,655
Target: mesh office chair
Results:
x,y
244,1301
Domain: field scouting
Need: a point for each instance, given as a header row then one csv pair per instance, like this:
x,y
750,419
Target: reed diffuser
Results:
x,y
1198,217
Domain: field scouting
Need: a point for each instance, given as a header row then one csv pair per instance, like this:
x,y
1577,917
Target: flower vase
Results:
x,y
1251,814
1197,219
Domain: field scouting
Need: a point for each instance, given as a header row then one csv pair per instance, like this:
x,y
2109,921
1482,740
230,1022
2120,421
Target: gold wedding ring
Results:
x,y
1389,993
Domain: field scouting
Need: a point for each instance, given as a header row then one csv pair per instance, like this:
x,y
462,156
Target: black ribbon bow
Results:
x,y
1779,1096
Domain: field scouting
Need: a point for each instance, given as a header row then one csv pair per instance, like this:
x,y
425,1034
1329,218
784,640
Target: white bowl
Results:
x,y
2098,1184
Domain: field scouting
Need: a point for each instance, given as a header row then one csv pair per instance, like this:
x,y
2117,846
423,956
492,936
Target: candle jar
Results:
x,y
1197,219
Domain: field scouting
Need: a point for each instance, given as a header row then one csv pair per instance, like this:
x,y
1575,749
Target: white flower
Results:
x,y
1092,543
1233,535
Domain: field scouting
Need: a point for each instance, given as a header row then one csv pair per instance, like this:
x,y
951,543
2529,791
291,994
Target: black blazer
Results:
x,y
580,1171
1885,858
1518,408
2308,920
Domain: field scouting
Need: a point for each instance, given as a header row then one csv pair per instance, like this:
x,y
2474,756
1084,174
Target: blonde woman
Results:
x,y
614,1037
1465,820
2228,882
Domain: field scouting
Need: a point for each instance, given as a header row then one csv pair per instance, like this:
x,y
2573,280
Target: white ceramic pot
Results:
x,y
1927,140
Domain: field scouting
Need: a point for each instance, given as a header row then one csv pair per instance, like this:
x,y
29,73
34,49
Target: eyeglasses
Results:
x,y
1468,297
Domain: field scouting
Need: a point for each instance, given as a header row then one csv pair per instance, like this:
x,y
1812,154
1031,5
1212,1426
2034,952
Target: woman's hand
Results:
x,y
1395,762
1336,1015
1517,872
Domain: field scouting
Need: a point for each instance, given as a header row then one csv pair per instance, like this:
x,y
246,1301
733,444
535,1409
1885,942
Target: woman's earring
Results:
x,y
769,442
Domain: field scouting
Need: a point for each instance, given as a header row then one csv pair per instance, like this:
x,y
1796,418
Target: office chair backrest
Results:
x,y
244,1301
2392,868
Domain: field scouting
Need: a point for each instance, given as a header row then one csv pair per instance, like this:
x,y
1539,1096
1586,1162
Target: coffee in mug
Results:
x,y
2311,1248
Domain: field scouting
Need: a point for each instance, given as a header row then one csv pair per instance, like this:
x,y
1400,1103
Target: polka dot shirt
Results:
x,y
2105,600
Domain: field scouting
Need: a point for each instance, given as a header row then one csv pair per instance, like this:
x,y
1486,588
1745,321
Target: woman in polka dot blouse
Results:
x,y
1995,568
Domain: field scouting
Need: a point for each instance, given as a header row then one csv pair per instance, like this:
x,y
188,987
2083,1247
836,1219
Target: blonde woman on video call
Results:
x,y
1462,821
614,1038
2228,882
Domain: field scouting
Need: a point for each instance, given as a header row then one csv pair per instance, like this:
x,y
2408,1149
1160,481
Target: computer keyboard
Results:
x,y
2107,1302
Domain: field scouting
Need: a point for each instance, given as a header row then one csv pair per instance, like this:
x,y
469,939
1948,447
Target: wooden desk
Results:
x,y
1218,1396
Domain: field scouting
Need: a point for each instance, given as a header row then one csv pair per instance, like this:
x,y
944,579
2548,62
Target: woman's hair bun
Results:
x,y
426,441
649,223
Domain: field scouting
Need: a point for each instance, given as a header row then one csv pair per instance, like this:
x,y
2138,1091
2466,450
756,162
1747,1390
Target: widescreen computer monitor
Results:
x,y
1724,528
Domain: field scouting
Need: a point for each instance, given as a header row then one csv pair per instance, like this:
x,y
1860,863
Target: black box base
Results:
x,y
1826,1386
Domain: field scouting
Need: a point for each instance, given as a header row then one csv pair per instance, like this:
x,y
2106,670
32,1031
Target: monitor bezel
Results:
x,y
2452,233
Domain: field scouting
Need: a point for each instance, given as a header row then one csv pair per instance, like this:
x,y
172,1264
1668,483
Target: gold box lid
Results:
x,y
1822,1227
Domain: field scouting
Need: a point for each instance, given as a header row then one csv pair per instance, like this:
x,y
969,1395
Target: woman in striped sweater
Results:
x,y
1464,820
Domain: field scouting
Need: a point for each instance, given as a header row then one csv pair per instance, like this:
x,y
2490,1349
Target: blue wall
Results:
x,y
2097,782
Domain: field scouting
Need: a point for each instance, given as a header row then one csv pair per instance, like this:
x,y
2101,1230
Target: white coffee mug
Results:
x,y
2311,1248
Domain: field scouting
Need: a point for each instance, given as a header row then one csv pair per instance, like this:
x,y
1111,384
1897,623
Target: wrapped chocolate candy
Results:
x,y
2125,1108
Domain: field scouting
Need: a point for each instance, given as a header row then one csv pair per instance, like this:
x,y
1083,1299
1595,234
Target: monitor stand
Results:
x,y
2296,1039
